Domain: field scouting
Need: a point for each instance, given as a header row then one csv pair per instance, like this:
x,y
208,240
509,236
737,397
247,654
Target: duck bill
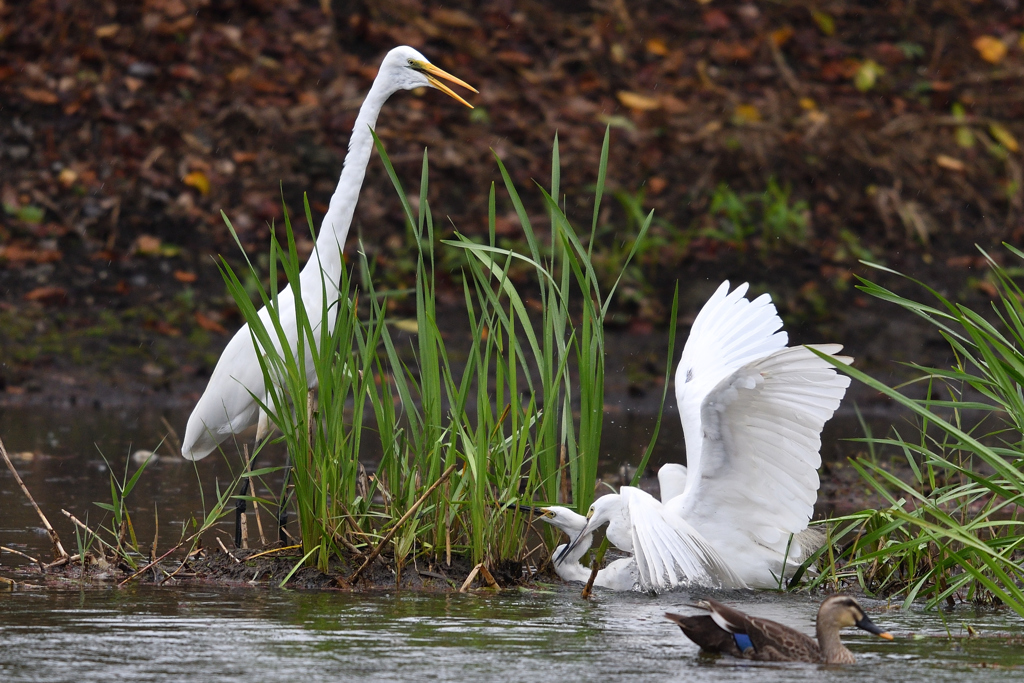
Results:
x,y
435,76
866,624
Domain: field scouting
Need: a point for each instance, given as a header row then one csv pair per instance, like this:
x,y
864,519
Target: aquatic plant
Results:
x,y
954,529
461,444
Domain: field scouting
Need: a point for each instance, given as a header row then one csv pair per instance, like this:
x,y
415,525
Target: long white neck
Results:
x,y
334,230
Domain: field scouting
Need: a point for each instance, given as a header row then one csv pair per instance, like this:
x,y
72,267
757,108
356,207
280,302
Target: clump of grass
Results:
x,y
772,216
954,529
501,425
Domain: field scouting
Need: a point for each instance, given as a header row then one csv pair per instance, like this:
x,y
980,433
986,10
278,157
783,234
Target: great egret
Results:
x,y
752,411
729,631
227,406
619,575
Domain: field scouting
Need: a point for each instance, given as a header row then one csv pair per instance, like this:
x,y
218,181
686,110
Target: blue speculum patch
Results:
x,y
742,641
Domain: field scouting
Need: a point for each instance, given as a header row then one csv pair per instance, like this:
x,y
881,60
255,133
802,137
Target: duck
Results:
x,y
752,410
731,632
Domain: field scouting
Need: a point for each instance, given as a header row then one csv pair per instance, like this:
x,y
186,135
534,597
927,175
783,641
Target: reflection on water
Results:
x,y
256,635
68,454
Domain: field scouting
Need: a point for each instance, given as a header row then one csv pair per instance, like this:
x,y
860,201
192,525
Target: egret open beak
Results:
x,y
575,542
869,626
434,74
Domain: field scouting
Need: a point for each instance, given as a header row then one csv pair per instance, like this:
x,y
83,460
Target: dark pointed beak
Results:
x,y
869,626
575,542
536,511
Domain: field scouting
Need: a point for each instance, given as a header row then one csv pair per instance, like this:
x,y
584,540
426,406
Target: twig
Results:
x,y
173,435
589,588
81,524
469,579
153,563
58,549
273,550
387,538
8,582
21,554
225,549
787,73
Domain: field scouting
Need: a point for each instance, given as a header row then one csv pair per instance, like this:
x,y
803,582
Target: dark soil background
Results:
x,y
127,127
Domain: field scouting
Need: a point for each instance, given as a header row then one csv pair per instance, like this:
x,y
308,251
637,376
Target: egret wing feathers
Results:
x,y
756,476
669,552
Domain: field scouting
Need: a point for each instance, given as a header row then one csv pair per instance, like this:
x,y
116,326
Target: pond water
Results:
x,y
149,633
167,634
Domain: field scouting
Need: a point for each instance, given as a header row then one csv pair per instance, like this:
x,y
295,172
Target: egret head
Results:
x,y
600,512
567,520
405,69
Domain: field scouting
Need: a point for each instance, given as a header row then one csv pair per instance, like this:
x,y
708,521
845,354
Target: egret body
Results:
x,y
227,406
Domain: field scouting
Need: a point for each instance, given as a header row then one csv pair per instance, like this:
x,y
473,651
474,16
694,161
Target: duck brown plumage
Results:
x,y
729,631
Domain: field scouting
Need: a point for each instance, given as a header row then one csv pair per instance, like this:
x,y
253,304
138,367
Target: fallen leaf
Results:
x,y
867,75
148,245
808,104
46,294
950,163
67,177
746,113
18,253
453,18
185,71
656,46
1004,137
990,48
781,36
107,30
657,184
243,157
716,20
640,102
40,96
164,328
826,24
209,324
198,180
185,276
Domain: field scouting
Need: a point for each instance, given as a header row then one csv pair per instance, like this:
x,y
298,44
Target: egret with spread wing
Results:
x,y
752,411
228,406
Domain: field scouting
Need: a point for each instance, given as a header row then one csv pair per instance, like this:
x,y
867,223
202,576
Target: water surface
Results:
x,y
168,634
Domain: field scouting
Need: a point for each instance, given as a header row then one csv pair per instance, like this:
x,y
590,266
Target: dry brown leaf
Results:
x,y
147,244
950,163
46,294
209,324
640,102
107,31
198,180
746,113
185,276
656,46
40,96
990,48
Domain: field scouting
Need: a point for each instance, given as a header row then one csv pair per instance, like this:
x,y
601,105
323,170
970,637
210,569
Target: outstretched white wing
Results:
x,y
729,332
760,439
668,551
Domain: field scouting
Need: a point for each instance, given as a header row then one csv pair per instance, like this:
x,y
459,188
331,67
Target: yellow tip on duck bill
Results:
x,y
433,75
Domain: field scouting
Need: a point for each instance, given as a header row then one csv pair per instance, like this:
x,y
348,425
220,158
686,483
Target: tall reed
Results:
x,y
954,528
504,417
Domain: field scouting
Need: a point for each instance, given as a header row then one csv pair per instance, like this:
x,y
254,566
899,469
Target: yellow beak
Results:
x,y
434,74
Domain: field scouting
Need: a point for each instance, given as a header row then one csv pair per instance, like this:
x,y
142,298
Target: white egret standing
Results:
x,y
752,413
227,406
